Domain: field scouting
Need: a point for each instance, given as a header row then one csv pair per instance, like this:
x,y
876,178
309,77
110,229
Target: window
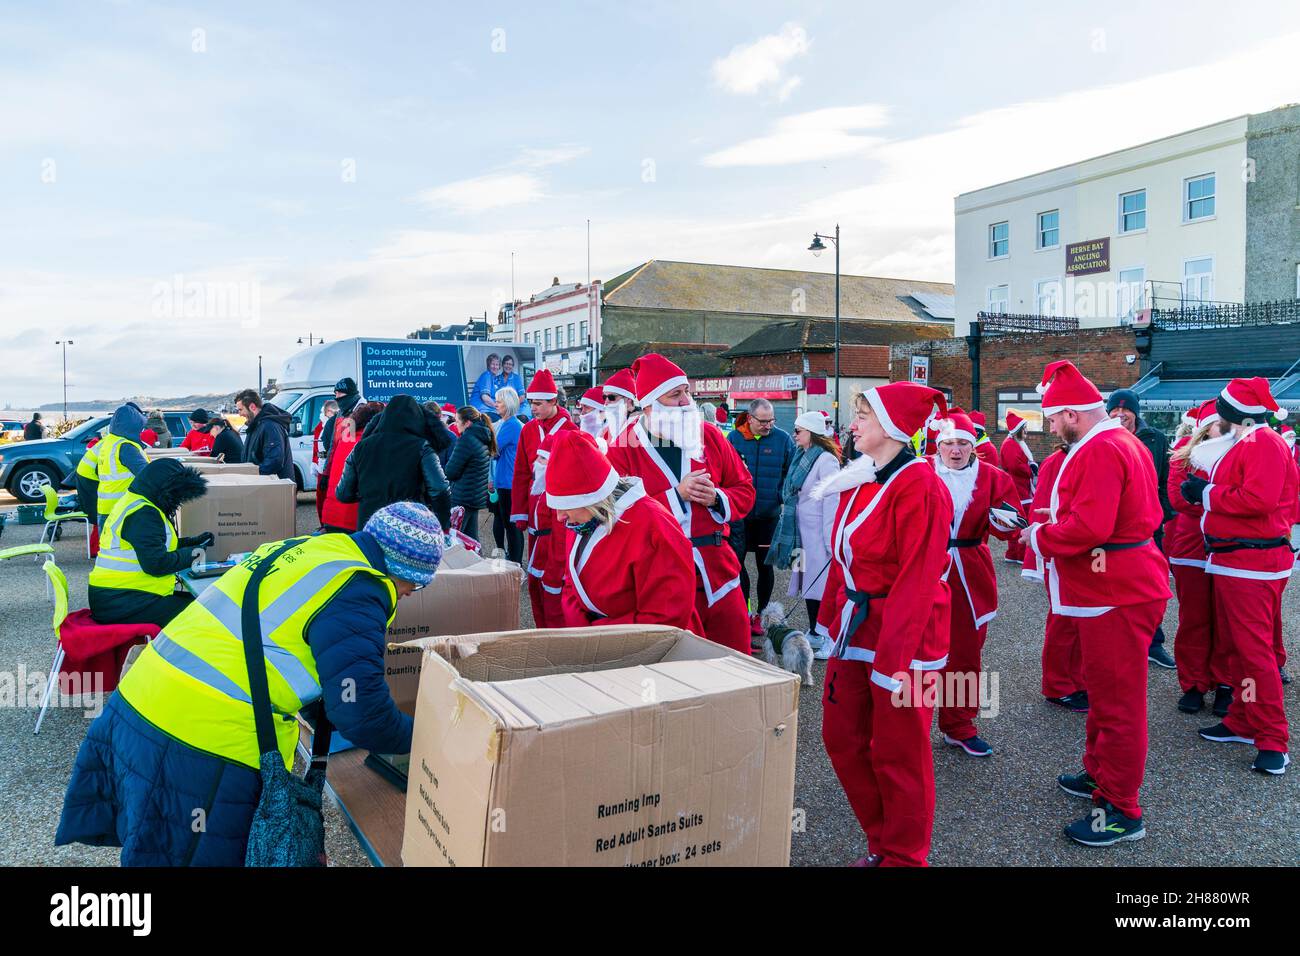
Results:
x,y
559,336
1049,229
1026,403
999,295
573,341
1129,293
1198,282
1047,296
584,332
1133,211
999,240
548,340
1198,198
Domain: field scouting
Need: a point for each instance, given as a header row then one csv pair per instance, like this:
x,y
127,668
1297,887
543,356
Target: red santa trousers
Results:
x,y
1246,609
1062,656
727,621
881,754
1115,669
1279,649
1202,660
965,647
548,611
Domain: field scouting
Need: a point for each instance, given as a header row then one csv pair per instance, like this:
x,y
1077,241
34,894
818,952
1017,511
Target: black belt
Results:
x,y
1215,545
707,540
965,542
1125,546
861,601
539,532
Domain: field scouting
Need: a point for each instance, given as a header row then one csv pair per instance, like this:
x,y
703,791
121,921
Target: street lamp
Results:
x,y
817,248
311,340
65,343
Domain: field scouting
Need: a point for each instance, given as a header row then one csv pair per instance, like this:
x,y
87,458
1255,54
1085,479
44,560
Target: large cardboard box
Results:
x,y
468,595
243,511
207,467
627,745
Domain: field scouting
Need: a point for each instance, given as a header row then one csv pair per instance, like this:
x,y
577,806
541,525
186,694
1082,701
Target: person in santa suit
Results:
x,y
1103,568
688,466
1201,659
1063,683
1018,462
528,508
984,502
885,607
627,559
591,417
984,446
620,403
1249,501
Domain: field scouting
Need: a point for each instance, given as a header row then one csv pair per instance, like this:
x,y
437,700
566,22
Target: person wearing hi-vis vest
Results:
x,y
134,577
170,770
107,468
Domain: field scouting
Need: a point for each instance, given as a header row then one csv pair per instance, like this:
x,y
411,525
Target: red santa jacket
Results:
x,y
1104,495
1032,566
1251,494
1184,544
531,437
890,542
988,451
636,456
975,580
640,571
1016,459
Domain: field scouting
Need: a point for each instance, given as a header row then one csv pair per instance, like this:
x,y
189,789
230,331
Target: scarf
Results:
x,y
961,485
785,539
1208,453
857,472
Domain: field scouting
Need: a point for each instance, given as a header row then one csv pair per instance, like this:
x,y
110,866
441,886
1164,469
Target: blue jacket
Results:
x,y
135,787
503,478
768,460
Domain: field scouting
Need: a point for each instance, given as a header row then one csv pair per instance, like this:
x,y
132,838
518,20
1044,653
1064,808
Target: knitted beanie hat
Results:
x,y
411,539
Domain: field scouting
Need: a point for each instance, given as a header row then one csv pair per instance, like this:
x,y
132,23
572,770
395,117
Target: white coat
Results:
x,y
816,525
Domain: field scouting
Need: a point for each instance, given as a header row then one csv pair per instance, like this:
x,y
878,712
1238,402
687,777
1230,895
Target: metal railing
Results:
x,y
1003,323
1226,315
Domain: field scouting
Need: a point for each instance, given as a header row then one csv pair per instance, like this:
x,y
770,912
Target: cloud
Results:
x,y
754,67
555,156
804,137
493,191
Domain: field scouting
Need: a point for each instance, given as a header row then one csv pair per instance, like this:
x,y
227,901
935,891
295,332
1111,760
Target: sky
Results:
x,y
186,187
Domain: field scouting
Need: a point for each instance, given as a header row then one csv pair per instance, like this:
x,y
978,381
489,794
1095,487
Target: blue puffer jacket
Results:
x,y
135,787
768,459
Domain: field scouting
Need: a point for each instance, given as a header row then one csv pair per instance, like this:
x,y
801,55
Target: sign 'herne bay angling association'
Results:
x,y
1083,258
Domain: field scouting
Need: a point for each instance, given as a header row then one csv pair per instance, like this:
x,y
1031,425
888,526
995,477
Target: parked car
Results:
x,y
27,465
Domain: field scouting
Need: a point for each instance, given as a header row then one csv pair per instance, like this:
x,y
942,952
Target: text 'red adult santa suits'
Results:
x,y
636,454
637,570
886,608
971,579
528,505
1249,505
1103,568
1018,462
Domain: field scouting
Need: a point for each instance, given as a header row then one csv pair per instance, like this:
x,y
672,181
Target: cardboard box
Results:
x,y
207,467
243,511
627,745
468,595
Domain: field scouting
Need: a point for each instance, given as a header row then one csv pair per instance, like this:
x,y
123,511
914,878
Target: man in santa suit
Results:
x,y
619,391
627,559
688,466
1249,501
984,502
1103,568
984,446
1201,659
591,415
1018,462
885,607
528,509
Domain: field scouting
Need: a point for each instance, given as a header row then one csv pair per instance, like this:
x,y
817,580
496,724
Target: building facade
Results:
x,y
564,322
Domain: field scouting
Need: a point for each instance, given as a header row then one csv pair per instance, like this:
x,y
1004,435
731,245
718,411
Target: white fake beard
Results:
x,y
616,417
680,425
539,476
961,485
591,422
1207,454
857,472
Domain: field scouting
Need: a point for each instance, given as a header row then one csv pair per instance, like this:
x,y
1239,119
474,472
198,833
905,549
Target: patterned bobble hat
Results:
x,y
411,539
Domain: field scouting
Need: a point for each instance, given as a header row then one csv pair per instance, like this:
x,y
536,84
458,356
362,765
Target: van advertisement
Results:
x,y
427,371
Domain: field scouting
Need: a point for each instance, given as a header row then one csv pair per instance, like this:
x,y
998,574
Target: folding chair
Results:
x,y
54,517
59,583
22,550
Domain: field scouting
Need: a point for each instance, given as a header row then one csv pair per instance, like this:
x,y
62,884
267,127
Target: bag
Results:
x,y
288,826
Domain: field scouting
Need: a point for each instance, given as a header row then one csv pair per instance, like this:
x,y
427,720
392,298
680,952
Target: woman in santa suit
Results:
x,y
977,489
886,608
628,561
1018,462
691,469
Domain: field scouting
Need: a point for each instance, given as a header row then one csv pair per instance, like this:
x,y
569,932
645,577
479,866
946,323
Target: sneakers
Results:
x,y
1076,703
1077,784
1271,761
1222,700
755,628
823,653
1220,734
1157,655
1105,826
972,745
1192,702
871,859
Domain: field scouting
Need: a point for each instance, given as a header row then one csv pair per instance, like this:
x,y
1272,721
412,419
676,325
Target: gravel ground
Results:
x,y
1203,806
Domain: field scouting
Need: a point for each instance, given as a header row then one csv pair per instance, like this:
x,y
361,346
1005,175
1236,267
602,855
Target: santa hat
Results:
x,y
542,387
1189,416
655,376
1205,413
1288,436
1014,421
1248,398
593,398
720,415
1064,386
977,418
904,408
578,475
622,383
449,409
956,427
814,423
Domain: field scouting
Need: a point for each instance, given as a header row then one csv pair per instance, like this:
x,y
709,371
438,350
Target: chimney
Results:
x,y
555,281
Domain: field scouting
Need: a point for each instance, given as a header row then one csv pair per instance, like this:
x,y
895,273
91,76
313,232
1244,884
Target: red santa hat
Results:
x,y
1014,422
720,415
1252,398
1204,414
655,375
542,387
904,408
622,383
578,475
449,409
593,398
1288,436
1189,416
977,418
1064,386
956,427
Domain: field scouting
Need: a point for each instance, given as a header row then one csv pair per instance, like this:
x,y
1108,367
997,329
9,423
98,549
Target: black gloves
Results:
x,y
206,540
1192,489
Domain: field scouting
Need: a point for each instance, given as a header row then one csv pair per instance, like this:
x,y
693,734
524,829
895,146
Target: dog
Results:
x,y
786,647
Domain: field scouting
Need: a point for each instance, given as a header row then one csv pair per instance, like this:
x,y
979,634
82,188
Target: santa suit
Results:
x,y
972,581
886,606
1017,461
718,599
640,571
526,506
1104,569
988,451
1251,496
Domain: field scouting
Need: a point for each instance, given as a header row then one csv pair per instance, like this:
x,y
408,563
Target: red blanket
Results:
x,y
91,647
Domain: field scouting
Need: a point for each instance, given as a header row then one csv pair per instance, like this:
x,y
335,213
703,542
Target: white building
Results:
x,y
564,323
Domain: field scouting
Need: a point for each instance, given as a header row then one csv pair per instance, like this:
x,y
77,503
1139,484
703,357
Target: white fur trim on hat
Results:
x,y
664,388
541,396
620,392
950,432
893,431
586,500
591,403
1053,409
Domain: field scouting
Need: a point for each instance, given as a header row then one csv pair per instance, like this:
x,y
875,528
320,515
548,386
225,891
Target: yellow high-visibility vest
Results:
x,y
192,681
113,476
118,565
